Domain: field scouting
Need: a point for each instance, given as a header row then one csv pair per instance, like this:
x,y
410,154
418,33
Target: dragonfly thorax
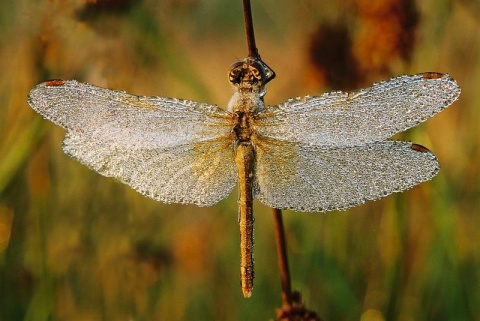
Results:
x,y
246,101
243,128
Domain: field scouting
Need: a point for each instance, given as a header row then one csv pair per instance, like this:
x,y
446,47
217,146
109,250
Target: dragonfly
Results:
x,y
310,154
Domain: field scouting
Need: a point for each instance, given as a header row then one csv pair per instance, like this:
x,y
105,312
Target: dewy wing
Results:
x,y
316,154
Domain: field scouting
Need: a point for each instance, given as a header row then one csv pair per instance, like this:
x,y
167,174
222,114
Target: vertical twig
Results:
x,y
247,14
292,308
282,259
277,214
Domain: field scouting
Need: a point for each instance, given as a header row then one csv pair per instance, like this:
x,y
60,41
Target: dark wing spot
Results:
x,y
420,148
432,75
54,82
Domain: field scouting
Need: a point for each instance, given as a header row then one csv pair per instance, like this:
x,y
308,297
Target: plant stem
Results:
x,y
247,14
282,259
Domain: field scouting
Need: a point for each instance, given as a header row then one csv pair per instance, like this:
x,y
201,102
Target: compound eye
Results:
x,y
236,72
248,71
257,71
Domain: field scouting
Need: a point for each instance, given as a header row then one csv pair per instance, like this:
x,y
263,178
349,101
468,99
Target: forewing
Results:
x,y
319,179
364,116
127,119
168,149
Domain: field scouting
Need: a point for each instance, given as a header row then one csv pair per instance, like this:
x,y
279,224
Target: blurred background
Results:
x,y
78,246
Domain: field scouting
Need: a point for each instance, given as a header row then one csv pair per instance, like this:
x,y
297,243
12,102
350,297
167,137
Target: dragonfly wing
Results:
x,y
168,149
319,179
127,119
201,173
368,115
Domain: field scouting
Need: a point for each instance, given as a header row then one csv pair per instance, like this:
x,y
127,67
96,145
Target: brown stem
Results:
x,y
247,14
282,259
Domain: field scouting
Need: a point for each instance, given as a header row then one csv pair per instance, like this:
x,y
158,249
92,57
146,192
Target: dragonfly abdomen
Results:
x,y
244,159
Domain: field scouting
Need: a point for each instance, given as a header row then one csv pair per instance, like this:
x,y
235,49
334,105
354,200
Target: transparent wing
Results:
x,y
368,115
200,173
168,149
319,179
128,119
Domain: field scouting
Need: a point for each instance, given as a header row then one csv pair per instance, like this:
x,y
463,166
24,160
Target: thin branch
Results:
x,y
282,259
247,14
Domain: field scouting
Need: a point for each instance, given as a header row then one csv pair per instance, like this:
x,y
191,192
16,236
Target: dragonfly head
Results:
x,y
250,73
